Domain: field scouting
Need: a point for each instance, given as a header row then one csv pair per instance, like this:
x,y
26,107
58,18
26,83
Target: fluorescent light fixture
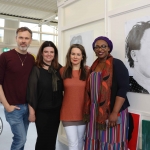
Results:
x,y
56,18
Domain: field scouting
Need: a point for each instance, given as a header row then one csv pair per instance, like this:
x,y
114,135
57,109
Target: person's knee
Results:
x,y
81,139
18,143
73,144
22,142
24,139
73,141
19,138
81,132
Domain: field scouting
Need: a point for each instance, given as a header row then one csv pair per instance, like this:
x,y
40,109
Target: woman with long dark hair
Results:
x,y
44,96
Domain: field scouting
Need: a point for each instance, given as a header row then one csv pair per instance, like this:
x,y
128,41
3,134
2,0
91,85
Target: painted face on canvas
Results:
x,y
143,55
48,54
76,56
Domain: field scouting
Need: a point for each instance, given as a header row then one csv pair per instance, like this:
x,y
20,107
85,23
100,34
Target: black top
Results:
x,y
120,83
135,87
40,94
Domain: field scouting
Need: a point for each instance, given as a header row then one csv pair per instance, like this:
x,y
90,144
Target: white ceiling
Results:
x,y
42,11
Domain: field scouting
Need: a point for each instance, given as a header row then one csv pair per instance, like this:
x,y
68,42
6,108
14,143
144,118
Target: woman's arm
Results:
x,y
31,114
32,93
122,79
114,114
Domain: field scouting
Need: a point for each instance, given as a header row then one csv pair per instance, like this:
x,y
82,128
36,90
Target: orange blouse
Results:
x,y
73,101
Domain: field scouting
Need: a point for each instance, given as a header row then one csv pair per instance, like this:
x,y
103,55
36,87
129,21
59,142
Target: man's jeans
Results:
x,y
18,120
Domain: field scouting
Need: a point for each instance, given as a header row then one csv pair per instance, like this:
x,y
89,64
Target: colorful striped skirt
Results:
x,y
115,138
111,139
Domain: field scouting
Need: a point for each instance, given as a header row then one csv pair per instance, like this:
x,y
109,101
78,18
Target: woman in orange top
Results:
x,y
74,75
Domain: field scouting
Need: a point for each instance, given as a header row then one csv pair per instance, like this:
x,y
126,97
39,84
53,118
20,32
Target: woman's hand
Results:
x,y
112,120
31,118
31,114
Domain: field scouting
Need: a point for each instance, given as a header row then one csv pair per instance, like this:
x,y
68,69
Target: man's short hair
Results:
x,y
22,29
133,40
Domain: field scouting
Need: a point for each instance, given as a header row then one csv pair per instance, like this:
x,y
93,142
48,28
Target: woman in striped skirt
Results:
x,y
106,104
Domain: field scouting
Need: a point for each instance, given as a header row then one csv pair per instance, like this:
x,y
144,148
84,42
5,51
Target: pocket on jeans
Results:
x,y
12,117
9,112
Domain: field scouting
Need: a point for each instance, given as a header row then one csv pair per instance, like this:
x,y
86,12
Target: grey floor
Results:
x,y
6,136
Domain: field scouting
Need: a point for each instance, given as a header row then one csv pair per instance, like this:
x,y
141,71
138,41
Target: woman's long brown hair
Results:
x,y
68,67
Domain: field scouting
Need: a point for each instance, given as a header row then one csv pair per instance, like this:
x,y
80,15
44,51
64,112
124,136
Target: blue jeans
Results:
x,y
18,120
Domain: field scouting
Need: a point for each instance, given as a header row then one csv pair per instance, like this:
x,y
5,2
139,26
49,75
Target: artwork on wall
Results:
x,y
145,134
85,39
137,51
76,40
134,120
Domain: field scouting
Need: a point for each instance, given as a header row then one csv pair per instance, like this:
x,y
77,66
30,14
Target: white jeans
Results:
x,y
75,136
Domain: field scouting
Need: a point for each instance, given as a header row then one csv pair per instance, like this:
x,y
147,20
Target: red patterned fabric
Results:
x,y
103,107
132,145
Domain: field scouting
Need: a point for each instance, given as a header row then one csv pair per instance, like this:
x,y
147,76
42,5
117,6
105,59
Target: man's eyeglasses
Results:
x,y
96,48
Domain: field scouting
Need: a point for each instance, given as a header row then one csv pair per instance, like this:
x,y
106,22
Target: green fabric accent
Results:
x,y
145,135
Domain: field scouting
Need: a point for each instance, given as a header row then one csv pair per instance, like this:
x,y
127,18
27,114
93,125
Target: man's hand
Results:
x,y
11,108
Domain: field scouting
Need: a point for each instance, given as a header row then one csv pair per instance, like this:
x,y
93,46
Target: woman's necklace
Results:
x,y
45,64
21,59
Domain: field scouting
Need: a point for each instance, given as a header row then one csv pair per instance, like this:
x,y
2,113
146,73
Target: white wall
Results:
x,y
82,10
103,17
78,17
117,4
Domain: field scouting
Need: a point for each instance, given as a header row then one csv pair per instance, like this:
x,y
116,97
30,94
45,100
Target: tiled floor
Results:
x,y
6,136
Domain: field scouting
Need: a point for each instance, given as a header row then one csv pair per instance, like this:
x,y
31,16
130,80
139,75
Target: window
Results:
x,y
43,33
1,35
46,28
36,36
50,31
33,27
1,22
47,37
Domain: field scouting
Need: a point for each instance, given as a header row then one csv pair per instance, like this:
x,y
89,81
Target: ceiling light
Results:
x,y
56,18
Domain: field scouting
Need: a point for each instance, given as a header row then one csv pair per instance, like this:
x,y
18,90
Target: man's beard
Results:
x,y
24,48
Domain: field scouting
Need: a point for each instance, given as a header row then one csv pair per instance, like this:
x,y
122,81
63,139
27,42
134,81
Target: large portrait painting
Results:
x,y
85,39
137,56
